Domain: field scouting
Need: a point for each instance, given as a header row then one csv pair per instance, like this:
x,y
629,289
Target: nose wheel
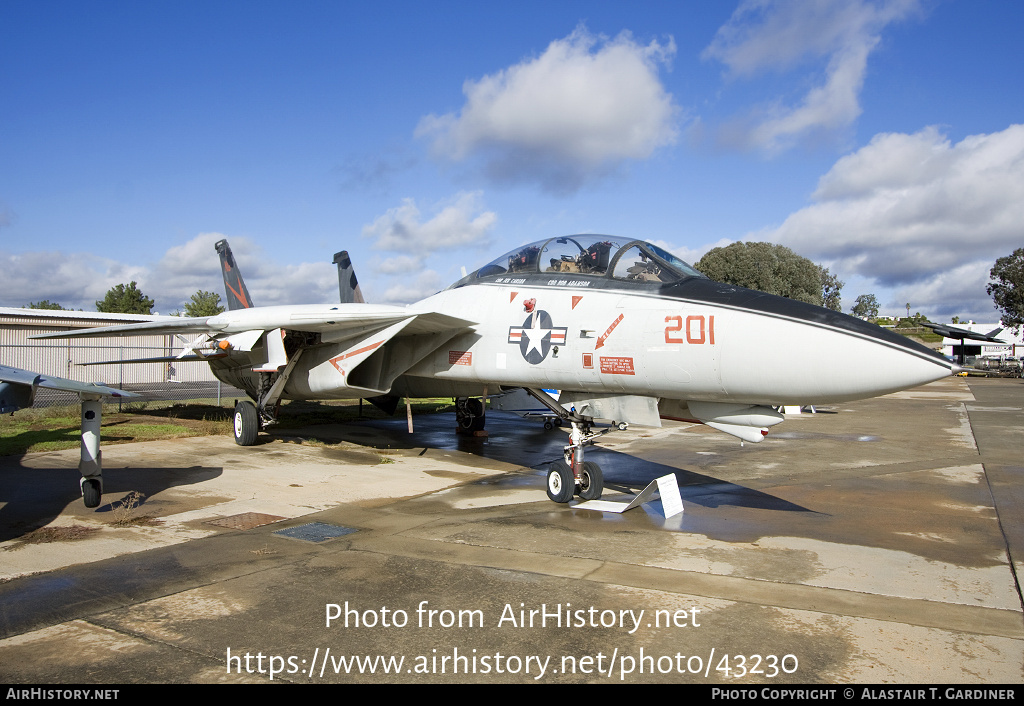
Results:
x,y
591,483
561,484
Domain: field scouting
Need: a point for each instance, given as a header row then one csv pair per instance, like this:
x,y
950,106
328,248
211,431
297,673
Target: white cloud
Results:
x,y
399,265
918,212
74,280
576,111
78,280
426,283
771,35
195,265
956,292
457,223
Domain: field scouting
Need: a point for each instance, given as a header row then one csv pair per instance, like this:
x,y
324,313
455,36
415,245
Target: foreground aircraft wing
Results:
x,y
18,388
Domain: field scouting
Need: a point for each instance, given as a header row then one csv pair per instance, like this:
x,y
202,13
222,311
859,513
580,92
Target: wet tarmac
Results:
x,y
874,541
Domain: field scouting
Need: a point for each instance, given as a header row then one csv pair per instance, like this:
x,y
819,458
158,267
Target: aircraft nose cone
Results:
x,y
797,353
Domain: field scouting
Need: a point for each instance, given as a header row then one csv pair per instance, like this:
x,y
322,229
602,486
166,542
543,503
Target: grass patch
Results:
x,y
59,427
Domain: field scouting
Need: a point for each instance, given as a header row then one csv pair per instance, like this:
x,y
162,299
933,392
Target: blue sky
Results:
x,y
882,139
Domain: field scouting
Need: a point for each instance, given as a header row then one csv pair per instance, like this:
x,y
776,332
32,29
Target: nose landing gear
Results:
x,y
572,475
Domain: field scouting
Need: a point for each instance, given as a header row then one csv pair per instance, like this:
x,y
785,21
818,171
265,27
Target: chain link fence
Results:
x,y
214,392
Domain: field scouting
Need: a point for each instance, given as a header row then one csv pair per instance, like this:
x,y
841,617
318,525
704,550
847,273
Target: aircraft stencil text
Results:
x,y
697,330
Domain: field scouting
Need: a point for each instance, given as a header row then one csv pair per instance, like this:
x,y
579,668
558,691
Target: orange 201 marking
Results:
x,y
698,330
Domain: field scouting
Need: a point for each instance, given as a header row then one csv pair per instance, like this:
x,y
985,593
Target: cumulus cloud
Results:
x,y
74,280
78,280
956,292
777,35
458,222
583,107
919,212
405,291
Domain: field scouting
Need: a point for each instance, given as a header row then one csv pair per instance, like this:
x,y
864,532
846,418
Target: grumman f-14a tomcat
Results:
x,y
623,329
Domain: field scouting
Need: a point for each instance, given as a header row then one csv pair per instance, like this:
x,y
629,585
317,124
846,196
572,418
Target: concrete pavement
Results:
x,y
875,541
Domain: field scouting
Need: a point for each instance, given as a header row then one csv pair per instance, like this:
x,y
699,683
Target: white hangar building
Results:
x,y
64,358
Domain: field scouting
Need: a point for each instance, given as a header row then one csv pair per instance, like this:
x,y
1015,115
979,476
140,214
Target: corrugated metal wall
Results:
x,y
63,357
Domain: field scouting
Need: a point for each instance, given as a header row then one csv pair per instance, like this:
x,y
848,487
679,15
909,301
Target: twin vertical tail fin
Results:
x,y
238,295
348,287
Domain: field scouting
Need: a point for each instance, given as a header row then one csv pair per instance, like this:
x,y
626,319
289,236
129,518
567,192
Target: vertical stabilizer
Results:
x,y
348,286
238,295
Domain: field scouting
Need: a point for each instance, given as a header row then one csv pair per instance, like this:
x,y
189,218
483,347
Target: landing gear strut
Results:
x,y
90,463
251,418
572,475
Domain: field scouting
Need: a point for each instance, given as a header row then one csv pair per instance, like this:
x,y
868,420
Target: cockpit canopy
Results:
x,y
593,255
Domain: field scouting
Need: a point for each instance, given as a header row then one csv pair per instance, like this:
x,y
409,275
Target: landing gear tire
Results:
x,y
247,423
549,425
560,482
591,481
92,492
473,419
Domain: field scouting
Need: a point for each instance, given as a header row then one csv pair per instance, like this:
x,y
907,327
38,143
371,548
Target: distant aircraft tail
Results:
x,y
348,287
238,295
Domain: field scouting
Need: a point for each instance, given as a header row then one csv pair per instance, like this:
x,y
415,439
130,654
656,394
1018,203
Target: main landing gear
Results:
x,y
246,425
469,416
251,418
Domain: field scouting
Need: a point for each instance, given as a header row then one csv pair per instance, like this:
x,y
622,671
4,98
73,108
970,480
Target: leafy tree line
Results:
x,y
865,306
204,303
774,269
129,299
125,299
1007,288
